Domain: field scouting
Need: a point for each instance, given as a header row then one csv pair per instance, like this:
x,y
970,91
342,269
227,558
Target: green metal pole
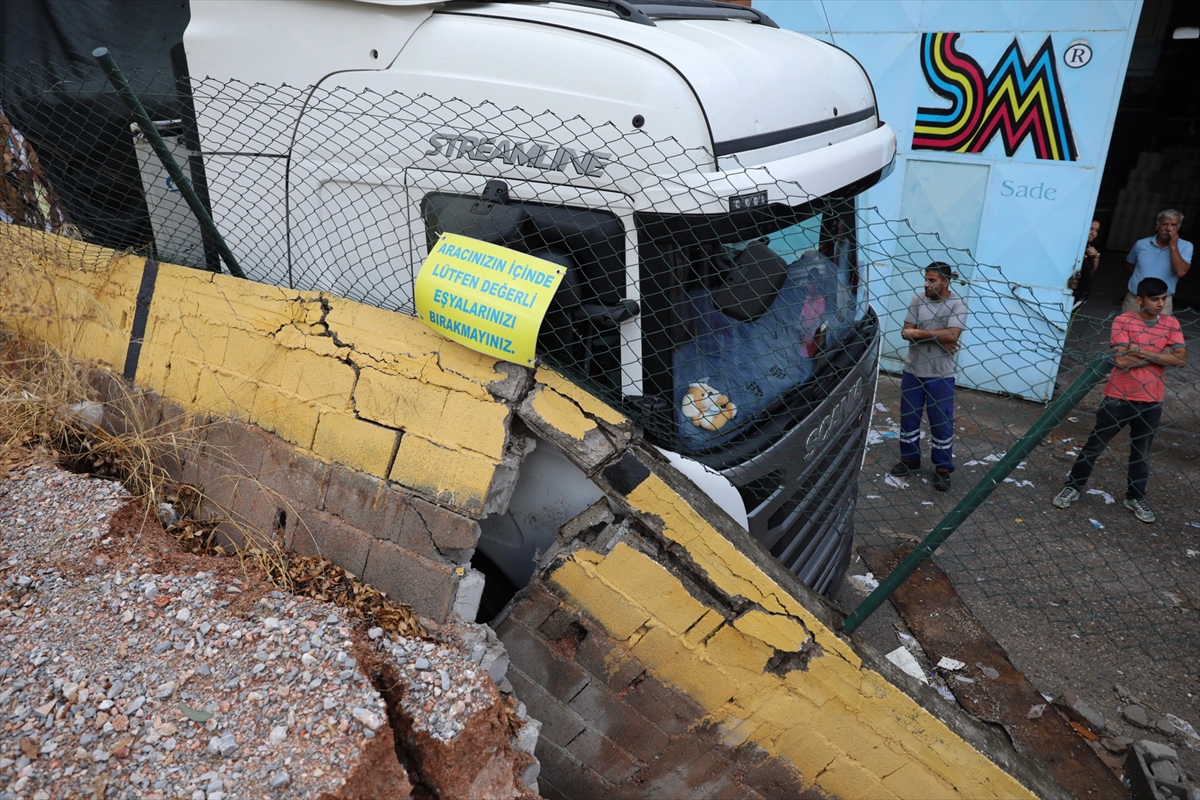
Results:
x,y
1092,374
106,62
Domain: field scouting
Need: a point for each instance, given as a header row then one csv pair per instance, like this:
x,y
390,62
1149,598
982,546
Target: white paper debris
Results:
x,y
951,664
863,583
905,661
873,437
881,407
1108,498
1183,726
899,483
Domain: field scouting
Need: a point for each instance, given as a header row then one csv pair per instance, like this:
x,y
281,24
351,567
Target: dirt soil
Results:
x,y
1085,599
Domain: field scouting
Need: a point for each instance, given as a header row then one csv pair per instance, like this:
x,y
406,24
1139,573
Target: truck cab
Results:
x,y
695,169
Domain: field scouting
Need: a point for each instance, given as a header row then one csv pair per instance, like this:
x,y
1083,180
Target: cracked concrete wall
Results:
x,y
396,436
388,443
674,590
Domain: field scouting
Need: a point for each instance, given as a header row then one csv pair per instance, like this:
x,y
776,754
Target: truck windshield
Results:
x,y
758,319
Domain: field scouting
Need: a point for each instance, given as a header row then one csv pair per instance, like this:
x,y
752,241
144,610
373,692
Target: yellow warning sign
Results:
x,y
486,297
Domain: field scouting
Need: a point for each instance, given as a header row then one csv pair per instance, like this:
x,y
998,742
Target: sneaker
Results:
x,y
1065,497
1141,510
904,468
941,480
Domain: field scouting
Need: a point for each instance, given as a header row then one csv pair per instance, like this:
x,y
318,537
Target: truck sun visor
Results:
x,y
751,282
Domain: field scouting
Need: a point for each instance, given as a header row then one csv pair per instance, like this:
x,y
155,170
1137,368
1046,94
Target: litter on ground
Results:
x,y
905,661
1108,498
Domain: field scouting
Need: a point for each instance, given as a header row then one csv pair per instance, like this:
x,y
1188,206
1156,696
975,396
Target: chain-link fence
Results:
x,y
739,319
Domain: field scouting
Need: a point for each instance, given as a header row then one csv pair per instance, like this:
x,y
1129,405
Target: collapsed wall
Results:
x,y
666,652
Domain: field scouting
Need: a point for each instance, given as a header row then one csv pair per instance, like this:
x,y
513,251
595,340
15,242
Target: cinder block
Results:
x,y
318,378
770,776
356,443
602,755
331,538
292,473
291,416
651,586
254,355
620,722
559,724
571,778
399,402
427,586
448,530
223,394
671,710
545,667
453,478
619,617
363,501
533,605
607,662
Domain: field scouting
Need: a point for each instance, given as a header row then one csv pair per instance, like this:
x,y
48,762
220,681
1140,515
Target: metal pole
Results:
x,y
1092,374
105,60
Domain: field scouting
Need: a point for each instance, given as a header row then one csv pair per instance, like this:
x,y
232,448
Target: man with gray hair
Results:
x,y
1164,256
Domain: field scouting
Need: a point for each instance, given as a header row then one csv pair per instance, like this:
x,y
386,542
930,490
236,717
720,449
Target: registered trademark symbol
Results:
x,y
1078,54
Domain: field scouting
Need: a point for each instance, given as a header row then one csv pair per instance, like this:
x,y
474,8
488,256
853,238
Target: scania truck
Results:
x,y
695,169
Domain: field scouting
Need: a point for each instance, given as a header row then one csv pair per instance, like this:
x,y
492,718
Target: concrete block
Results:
x,y
453,478
425,585
291,416
292,473
514,384
611,716
365,502
672,711
559,724
453,535
331,538
355,443
563,424
543,665
771,777
532,605
565,776
603,755
468,595
605,662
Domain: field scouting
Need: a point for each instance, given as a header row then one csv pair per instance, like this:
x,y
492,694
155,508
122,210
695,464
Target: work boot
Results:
x,y
941,480
905,468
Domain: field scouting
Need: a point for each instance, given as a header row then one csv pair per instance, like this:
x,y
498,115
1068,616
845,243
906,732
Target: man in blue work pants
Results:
x,y
932,328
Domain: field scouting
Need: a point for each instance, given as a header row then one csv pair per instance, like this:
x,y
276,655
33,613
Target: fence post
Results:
x,y
1092,374
130,99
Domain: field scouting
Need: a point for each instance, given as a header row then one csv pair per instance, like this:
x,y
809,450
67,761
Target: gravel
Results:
x,y
120,677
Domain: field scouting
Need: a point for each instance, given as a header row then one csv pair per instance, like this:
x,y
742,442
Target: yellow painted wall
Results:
x,y
848,730
337,378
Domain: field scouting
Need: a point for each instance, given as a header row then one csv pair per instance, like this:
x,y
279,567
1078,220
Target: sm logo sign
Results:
x,y
1018,100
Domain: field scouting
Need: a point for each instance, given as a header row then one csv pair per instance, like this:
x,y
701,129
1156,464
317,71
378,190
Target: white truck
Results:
x,y
694,168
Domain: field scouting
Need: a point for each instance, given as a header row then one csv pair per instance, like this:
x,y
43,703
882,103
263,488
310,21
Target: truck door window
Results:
x,y
580,332
757,318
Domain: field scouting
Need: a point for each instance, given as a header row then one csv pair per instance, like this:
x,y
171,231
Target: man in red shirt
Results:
x,y
1145,342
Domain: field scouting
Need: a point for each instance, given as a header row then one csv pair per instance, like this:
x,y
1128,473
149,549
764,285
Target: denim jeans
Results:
x,y
1112,416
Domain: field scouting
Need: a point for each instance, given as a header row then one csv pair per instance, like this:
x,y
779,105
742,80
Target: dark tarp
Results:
x,y
53,93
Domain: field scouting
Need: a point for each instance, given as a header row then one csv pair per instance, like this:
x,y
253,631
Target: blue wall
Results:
x,y
1014,225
